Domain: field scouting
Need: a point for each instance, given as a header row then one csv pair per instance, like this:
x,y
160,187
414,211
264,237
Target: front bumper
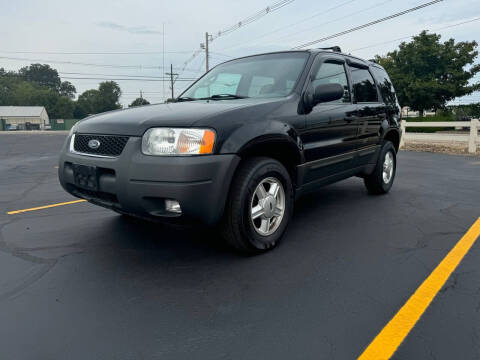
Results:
x,y
138,184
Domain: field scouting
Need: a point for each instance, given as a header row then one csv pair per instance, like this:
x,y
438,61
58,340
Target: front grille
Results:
x,y
110,145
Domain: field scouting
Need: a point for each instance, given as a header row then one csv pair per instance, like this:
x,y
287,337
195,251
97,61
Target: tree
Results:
x,y
97,101
87,104
40,85
42,75
67,89
427,73
63,108
109,93
139,102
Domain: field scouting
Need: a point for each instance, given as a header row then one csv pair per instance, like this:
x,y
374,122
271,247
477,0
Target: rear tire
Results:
x,y
259,206
380,181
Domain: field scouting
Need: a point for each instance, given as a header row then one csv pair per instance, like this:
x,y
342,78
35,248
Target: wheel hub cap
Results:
x,y
267,206
388,166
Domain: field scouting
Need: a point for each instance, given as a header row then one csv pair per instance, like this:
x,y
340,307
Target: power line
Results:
x,y
219,59
199,67
88,64
190,59
295,23
132,94
367,25
410,36
115,79
199,70
377,5
129,76
252,18
96,53
145,92
220,54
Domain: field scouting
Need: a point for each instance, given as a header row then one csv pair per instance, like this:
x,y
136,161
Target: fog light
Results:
x,y
173,206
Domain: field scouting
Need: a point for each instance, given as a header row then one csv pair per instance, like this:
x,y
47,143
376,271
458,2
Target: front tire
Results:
x,y
259,206
380,181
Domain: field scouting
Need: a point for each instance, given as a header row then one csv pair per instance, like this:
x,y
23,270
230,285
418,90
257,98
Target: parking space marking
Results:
x,y
389,339
45,207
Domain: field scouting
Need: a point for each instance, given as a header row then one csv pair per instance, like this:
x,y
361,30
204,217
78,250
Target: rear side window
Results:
x,y
363,85
385,86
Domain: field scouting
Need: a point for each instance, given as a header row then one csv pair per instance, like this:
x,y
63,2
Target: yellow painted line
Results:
x,y
45,207
389,339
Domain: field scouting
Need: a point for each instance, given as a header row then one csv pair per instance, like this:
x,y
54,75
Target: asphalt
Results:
x,y
81,282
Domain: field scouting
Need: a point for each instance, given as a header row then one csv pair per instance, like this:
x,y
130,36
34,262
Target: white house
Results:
x,y
23,117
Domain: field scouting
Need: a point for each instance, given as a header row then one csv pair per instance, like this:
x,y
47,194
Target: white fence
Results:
x,y
472,139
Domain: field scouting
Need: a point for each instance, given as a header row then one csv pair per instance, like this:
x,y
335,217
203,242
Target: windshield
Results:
x,y
261,76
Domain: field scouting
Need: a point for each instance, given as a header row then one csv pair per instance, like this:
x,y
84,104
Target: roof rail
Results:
x,y
373,61
333,48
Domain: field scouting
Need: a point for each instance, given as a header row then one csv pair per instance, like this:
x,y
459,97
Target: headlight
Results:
x,y
171,141
72,130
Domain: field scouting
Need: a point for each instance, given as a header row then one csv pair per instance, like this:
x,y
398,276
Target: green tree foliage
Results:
x,y
87,104
64,108
42,75
110,94
40,85
16,91
427,73
96,101
139,102
67,89
465,112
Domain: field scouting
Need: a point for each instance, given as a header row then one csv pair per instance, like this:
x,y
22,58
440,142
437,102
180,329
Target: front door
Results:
x,y
330,131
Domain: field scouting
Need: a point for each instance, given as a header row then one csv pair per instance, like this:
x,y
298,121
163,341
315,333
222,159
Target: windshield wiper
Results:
x,y
224,96
185,98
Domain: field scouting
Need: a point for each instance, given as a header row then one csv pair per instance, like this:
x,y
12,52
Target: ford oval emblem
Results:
x,y
94,144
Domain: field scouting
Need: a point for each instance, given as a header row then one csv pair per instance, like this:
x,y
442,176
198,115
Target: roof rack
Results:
x,y
333,48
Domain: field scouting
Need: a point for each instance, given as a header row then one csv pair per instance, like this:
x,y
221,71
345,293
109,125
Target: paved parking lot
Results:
x,y
81,282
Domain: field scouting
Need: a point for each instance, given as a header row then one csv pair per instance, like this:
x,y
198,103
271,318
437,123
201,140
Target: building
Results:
x,y
407,112
23,118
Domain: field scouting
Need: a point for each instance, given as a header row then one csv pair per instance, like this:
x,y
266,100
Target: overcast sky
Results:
x,y
137,26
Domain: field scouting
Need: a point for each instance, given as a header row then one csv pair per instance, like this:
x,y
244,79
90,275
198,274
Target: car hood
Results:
x,y
135,121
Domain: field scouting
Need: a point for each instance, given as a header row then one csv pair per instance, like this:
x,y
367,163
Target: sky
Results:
x,y
78,37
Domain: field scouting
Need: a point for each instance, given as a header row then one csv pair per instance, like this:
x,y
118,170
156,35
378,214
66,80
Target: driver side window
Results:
x,y
333,73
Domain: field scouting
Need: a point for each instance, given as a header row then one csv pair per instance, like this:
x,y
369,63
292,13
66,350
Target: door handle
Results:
x,y
349,119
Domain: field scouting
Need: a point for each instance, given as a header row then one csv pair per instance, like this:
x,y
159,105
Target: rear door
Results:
x,y
371,111
330,128
387,93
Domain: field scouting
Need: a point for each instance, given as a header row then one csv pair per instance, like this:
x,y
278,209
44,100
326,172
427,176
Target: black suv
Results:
x,y
241,143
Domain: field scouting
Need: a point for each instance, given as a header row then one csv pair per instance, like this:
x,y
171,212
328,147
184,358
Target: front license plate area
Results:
x,y
86,177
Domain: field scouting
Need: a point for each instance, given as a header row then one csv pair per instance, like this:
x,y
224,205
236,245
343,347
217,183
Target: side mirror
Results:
x,y
327,92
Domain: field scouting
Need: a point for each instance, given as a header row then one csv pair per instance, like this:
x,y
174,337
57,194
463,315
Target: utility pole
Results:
x,y
206,50
171,74
163,59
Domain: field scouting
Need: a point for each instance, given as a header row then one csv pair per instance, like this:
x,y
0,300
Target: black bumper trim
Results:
x,y
141,183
